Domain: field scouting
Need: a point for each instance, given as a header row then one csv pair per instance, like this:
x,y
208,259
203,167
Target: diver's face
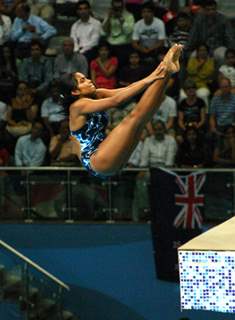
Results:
x,y
85,87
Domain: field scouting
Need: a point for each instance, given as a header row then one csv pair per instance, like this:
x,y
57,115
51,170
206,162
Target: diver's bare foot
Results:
x,y
171,59
160,72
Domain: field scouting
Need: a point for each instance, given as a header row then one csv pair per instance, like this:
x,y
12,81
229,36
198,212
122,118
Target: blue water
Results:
x,y
110,269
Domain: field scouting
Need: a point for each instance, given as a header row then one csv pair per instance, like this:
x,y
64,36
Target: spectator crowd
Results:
x,y
195,123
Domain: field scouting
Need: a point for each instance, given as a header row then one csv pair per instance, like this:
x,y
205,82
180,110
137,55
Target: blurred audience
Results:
x,y
69,61
3,112
8,74
201,69
86,31
118,27
36,70
221,114
159,150
149,33
133,71
43,9
8,6
119,48
227,70
103,68
224,153
222,108
181,30
192,109
27,27
30,150
5,29
62,147
52,110
191,152
135,158
166,113
21,112
212,28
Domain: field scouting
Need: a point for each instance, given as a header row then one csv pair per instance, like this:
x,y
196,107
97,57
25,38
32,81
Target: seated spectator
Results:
x,y
180,34
159,150
52,111
61,147
227,70
149,34
27,27
36,70
22,111
192,110
8,74
213,29
201,69
134,160
134,6
4,152
66,8
118,27
182,28
85,31
133,71
117,114
5,23
191,153
140,196
167,13
103,68
166,113
192,7
69,61
222,108
8,7
43,9
3,112
224,153
30,150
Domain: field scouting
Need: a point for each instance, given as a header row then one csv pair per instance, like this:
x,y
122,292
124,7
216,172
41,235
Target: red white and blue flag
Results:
x,y
177,210
190,199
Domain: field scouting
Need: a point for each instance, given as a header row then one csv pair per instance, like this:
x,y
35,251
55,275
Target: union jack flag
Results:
x,y
190,199
176,202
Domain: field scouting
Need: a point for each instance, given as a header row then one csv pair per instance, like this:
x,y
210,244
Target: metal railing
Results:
x,y
33,264
69,194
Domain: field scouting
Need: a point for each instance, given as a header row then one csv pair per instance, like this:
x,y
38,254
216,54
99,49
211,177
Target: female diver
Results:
x,y
104,155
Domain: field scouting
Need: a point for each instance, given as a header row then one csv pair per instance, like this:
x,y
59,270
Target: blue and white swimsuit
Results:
x,y
90,136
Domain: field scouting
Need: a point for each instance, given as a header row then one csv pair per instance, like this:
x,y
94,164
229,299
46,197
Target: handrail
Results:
x,y
33,264
52,168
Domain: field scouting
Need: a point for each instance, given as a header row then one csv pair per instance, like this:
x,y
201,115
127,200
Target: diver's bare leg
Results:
x,y
115,150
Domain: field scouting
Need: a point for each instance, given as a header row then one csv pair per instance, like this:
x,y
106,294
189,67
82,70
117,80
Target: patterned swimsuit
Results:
x,y
89,137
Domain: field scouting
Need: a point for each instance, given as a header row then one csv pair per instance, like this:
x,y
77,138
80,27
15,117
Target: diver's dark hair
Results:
x,y
67,84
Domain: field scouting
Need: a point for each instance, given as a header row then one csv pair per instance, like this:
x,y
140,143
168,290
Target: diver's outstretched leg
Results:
x,y
117,147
